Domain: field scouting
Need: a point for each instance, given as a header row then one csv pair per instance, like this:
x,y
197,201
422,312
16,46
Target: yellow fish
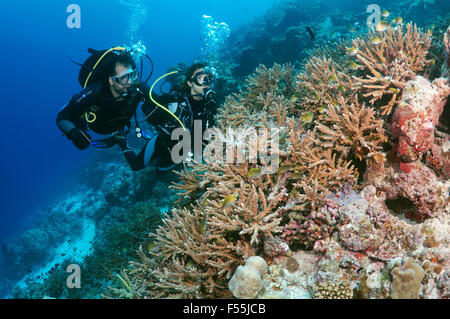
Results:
x,y
332,78
375,40
294,98
397,20
295,175
254,172
203,224
308,117
228,201
382,26
190,263
151,246
322,109
430,63
385,13
341,89
284,168
352,51
351,65
394,90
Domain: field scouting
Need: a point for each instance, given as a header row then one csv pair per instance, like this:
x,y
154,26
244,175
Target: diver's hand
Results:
x,y
120,140
80,139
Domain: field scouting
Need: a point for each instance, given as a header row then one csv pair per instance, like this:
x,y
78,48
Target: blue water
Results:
x,y
38,164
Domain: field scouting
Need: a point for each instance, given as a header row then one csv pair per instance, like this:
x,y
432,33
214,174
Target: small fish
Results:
x,y
352,51
228,201
322,109
151,246
63,254
308,29
382,26
205,201
385,13
352,29
284,168
332,78
397,20
294,98
295,175
203,224
190,263
430,63
307,117
375,40
394,90
341,89
351,65
254,172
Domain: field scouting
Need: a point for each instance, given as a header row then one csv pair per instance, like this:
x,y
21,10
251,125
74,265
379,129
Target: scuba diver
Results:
x,y
193,99
111,93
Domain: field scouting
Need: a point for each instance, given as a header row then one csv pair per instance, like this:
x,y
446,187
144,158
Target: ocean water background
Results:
x,y
38,164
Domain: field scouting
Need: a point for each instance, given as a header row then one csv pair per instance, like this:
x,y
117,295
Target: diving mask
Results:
x,y
205,78
130,77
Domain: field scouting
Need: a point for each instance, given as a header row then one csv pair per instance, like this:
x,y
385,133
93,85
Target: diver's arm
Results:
x,y
136,162
77,106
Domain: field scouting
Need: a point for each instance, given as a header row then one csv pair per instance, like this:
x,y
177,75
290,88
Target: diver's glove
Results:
x,y
116,138
80,139
120,140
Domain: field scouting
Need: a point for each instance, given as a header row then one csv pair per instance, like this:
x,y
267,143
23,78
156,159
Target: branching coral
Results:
x,y
386,67
354,130
231,207
320,83
262,100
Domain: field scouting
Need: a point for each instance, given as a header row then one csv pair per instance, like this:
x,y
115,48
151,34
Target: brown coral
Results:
x,y
387,66
407,280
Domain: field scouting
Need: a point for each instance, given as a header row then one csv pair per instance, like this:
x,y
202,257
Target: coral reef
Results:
x,y
349,173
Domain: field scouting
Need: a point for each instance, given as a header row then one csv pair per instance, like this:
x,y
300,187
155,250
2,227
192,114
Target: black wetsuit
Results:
x,y
157,151
95,109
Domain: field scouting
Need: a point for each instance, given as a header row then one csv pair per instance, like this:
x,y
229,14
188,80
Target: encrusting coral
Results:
x,y
358,146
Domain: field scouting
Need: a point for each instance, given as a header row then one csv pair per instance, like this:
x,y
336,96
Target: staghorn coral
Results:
x,y
261,101
230,210
320,83
385,68
354,130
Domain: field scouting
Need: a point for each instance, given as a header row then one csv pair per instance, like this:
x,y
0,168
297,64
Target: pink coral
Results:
x,y
420,186
416,116
274,246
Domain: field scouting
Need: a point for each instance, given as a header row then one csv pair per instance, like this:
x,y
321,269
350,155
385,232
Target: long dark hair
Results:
x,y
188,75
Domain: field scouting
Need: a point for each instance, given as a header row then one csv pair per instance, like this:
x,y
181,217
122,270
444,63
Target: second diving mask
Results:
x,y
130,77
205,78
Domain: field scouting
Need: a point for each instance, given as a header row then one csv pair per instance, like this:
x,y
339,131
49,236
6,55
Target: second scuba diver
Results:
x,y
108,104
193,100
